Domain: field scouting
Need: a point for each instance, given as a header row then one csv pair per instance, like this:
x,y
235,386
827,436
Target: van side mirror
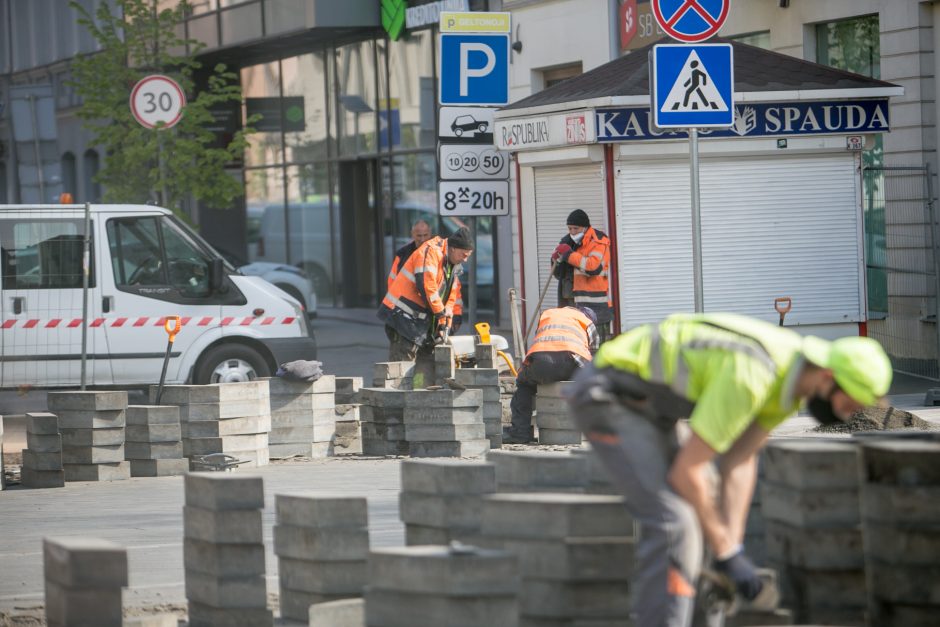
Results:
x,y
216,275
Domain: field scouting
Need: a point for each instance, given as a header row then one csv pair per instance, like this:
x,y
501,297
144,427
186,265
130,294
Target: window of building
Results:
x,y
43,254
760,40
69,174
411,109
261,86
304,107
855,45
91,166
556,75
356,99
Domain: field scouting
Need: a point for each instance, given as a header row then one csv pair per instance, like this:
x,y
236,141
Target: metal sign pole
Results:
x,y
471,296
696,223
86,268
39,172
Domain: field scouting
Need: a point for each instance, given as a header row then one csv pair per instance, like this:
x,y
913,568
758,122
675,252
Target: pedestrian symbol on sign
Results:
x,y
694,89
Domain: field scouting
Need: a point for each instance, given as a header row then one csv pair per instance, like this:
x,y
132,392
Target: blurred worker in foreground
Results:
x,y
565,340
582,261
736,379
419,306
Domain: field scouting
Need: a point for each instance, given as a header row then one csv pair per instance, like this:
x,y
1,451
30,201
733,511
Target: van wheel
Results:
x,y
231,363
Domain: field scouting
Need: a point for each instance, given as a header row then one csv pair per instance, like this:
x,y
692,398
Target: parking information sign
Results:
x,y
693,86
474,198
473,161
474,69
690,21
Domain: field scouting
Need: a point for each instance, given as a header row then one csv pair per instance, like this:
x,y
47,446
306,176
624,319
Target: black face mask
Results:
x,y
821,409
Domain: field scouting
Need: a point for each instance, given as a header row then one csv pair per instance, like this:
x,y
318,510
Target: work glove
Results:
x,y
442,330
739,569
561,253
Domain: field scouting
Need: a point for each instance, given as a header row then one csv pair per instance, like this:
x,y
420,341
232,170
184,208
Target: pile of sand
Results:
x,y
879,419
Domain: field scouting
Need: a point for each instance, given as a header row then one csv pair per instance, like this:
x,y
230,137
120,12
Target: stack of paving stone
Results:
x,y
92,429
485,356
303,417
442,586
507,388
441,500
342,613
575,555
154,441
223,551
443,363
322,545
539,471
348,431
900,508
755,531
84,578
555,423
810,506
487,381
382,421
42,458
230,418
445,423
394,375
347,390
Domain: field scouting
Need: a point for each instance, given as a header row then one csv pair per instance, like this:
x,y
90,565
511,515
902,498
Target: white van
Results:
x,y
145,265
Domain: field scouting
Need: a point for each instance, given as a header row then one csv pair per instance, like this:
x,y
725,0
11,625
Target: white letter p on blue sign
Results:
x,y
474,69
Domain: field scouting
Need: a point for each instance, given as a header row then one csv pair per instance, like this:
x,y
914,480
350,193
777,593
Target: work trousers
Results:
x,y
401,348
637,452
537,369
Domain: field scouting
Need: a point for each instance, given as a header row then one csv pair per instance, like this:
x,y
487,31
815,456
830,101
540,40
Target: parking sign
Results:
x,y
474,69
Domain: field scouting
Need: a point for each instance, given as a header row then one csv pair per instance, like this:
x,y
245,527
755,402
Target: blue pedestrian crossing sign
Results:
x,y
474,69
692,86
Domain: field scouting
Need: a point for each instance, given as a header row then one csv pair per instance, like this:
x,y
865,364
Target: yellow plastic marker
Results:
x,y
483,328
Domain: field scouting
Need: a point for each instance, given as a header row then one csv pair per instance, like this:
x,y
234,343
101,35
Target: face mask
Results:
x,y
821,409
577,238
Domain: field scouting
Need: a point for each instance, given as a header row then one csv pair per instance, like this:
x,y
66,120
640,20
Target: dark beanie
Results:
x,y
578,218
461,239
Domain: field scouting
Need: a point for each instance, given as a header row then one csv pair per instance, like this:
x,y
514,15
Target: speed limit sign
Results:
x,y
156,99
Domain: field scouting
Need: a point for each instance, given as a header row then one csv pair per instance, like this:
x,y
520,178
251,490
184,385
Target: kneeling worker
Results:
x,y
565,340
419,306
735,379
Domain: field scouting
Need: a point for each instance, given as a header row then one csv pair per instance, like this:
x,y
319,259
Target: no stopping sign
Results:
x,y
156,99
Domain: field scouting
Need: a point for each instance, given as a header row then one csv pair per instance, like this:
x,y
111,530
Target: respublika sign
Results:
x,y
757,120
545,131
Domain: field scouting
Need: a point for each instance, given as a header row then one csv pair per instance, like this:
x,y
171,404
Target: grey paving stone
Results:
x,y
559,436
551,405
548,515
493,428
444,432
290,449
153,450
908,505
343,445
324,385
222,492
42,423
551,390
51,443
462,448
218,392
142,415
97,472
343,613
226,592
538,469
302,402
807,589
448,477
438,570
910,585
444,398
902,546
385,608
156,620
158,467
443,415
324,545
486,355
404,383
393,369
223,560
417,535
886,614
82,562
227,526
901,462
382,415
496,441
346,412
383,447
224,444
564,599
432,510
818,549
286,435
90,418
93,454
318,512
809,507
295,604
82,606
811,463
154,433
83,400
492,411
201,615
477,377
378,431
572,559
75,438
382,397
225,427
37,479
250,408
347,578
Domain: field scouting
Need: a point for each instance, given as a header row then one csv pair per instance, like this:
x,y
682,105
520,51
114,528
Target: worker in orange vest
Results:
x,y
418,308
420,233
583,266
565,341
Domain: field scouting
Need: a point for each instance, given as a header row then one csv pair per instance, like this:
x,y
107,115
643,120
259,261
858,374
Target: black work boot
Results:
x,y
511,436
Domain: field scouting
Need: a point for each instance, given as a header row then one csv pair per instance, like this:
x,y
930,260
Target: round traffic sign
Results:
x,y
690,21
157,98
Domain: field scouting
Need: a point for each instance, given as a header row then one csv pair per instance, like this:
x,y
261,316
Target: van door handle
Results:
x,y
106,304
18,304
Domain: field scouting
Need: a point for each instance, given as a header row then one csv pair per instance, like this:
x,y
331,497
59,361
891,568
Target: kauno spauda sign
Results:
x,y
757,120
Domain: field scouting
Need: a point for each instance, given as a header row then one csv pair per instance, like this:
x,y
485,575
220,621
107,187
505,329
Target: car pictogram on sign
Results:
x,y
465,123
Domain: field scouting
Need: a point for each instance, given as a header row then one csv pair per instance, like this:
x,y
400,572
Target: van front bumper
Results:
x,y
287,349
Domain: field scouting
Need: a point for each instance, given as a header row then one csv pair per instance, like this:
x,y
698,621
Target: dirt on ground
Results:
x,y
879,419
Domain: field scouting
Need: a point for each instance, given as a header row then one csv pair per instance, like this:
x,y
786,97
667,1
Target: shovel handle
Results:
x,y
172,330
783,304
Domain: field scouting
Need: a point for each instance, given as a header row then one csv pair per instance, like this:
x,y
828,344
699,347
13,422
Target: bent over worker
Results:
x,y
418,307
582,261
735,378
565,340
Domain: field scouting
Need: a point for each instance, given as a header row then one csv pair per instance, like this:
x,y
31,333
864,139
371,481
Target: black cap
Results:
x,y
588,312
578,218
461,239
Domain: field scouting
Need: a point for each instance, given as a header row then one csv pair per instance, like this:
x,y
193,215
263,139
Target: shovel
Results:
x,y
783,305
171,332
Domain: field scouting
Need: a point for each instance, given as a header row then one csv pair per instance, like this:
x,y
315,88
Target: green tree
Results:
x,y
137,40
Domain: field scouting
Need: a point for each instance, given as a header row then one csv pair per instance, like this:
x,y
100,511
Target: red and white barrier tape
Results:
x,y
206,321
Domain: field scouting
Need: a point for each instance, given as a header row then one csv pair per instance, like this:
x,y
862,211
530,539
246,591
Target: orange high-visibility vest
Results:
x,y
591,262
401,256
562,329
458,298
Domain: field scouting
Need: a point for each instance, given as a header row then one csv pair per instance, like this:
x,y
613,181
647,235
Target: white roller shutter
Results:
x,y
560,190
771,226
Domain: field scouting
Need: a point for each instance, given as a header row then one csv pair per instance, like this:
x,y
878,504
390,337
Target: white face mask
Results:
x,y
577,238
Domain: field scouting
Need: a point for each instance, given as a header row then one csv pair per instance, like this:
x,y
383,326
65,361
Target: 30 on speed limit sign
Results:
x,y
473,162
157,99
